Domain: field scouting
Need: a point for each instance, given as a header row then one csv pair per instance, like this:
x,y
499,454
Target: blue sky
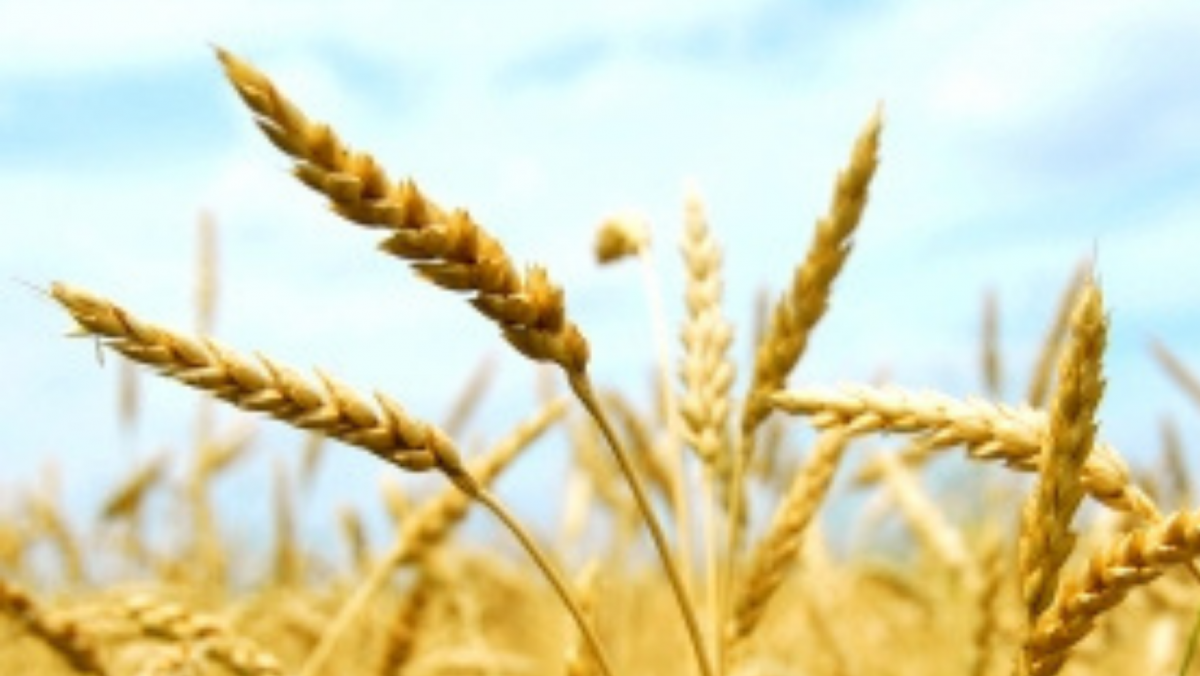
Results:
x,y
1020,137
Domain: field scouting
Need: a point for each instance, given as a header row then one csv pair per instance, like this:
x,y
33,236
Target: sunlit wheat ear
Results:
x,y
445,247
173,622
65,637
1013,435
382,428
1134,559
1043,370
707,372
449,249
1046,535
777,552
804,304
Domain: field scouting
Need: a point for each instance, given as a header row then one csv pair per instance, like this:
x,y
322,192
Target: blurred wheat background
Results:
x,y
1021,139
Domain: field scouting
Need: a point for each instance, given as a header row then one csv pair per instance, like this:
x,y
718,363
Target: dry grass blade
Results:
x,y
1046,536
446,247
989,431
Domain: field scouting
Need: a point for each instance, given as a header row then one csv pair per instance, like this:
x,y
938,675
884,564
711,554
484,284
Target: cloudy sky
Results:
x,y
1020,138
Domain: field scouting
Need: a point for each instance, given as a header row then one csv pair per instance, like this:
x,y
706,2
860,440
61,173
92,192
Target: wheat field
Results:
x,y
717,556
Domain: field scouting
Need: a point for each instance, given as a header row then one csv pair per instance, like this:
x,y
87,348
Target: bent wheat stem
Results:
x,y
560,585
427,526
582,386
332,408
447,248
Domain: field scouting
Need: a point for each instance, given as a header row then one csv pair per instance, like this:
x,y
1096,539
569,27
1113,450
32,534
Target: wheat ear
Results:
x,y
1046,535
1043,370
706,371
448,248
775,555
174,622
707,374
1134,559
384,429
989,431
796,314
452,251
65,637
387,432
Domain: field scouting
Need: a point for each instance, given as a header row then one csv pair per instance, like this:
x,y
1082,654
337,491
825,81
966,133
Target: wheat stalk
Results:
x,y
427,527
332,408
452,251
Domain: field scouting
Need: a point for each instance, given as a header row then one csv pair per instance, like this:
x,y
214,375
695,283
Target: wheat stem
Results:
x,y
556,580
582,386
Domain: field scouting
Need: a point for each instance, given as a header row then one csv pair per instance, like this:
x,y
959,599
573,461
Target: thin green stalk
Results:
x,y
582,387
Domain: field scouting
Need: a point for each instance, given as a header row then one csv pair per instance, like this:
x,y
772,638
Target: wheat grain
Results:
x,y
619,237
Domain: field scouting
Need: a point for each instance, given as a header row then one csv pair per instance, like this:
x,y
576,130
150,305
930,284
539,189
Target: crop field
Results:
x,y
716,552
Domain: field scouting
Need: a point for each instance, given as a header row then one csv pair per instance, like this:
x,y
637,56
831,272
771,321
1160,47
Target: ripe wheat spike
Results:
x,y
447,248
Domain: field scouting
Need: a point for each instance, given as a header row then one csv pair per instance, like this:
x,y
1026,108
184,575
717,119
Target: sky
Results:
x,y
1020,138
